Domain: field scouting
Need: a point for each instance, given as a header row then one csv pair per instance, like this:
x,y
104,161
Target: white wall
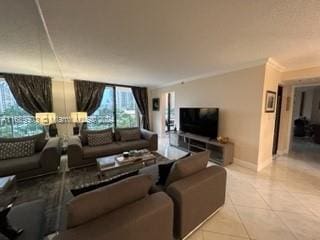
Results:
x,y
237,94
267,123
64,102
286,120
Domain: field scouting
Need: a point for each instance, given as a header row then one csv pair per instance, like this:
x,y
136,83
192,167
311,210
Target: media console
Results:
x,y
220,153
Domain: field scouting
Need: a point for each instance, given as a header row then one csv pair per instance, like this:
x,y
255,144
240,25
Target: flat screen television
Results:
x,y
200,121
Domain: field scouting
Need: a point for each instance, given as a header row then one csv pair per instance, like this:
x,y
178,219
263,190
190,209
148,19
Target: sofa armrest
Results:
x,y
152,137
196,197
74,151
50,154
74,141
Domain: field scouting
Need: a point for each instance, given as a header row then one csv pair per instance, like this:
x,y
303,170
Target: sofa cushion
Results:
x,y
19,164
97,139
39,139
91,205
84,134
18,149
127,134
133,145
188,166
102,150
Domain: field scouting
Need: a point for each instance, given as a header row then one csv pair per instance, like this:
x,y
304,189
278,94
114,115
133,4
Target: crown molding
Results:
x,y
216,73
274,64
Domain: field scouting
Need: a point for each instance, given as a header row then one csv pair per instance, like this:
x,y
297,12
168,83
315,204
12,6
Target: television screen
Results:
x,y
201,121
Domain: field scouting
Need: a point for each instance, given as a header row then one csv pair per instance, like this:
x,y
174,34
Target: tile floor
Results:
x,y
280,202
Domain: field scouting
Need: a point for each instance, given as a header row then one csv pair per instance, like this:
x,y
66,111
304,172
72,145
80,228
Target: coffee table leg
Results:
x,y
101,175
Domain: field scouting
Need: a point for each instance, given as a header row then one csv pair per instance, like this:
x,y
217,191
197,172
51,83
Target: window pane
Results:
x,y
14,121
126,109
103,118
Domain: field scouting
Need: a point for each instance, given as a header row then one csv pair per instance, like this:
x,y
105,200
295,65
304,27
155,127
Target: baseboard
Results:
x,y
245,164
265,164
282,152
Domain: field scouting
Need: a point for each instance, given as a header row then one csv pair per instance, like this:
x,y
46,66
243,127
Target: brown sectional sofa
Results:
x,y
137,209
45,159
123,210
80,153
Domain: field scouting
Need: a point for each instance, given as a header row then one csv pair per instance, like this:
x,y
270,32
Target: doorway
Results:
x,y
170,112
305,136
277,121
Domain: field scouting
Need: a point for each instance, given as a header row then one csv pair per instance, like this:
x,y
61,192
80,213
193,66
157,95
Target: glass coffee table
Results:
x,y
113,165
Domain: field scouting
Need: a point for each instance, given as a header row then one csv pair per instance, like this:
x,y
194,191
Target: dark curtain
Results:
x,y
88,95
32,93
141,97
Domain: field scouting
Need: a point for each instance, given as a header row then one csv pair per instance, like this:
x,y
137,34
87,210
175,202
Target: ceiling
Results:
x,y
154,43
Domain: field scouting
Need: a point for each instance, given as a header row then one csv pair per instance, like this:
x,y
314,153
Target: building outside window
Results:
x,y
126,109
14,121
117,103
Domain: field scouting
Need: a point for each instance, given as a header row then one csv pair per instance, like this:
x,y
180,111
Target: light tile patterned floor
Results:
x,y
280,202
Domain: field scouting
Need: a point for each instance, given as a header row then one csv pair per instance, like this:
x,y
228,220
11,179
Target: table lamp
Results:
x,y
78,118
45,119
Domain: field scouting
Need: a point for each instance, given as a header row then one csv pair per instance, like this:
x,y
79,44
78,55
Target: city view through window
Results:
x,y
14,121
121,113
125,108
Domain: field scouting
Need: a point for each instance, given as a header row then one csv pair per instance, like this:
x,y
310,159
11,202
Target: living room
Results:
x,y
158,120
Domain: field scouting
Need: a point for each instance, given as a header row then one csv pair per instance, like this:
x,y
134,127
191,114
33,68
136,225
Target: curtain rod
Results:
x,y
107,84
111,84
3,73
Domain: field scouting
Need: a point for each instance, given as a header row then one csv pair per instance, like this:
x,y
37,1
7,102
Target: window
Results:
x,y
117,109
14,121
126,108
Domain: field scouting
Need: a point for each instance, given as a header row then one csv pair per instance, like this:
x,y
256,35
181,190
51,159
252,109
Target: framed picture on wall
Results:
x,y
270,101
155,104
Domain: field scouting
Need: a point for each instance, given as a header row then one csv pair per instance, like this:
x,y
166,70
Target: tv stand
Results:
x,y
220,153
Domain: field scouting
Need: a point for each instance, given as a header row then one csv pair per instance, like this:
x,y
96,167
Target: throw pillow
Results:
x,y
39,140
130,135
84,134
9,150
98,139
188,166
164,170
117,132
